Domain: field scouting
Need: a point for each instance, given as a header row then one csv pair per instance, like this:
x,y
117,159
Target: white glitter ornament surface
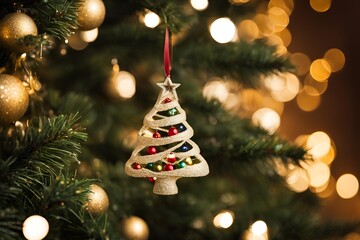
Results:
x,y
165,183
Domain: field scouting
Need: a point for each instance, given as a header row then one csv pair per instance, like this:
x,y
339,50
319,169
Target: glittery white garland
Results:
x,y
165,183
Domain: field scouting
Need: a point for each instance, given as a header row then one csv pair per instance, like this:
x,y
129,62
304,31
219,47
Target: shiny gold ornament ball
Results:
x,y
13,27
98,200
14,99
135,228
91,14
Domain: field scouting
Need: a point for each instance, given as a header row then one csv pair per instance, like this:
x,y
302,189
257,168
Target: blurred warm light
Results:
x,y
232,101
279,18
216,88
251,100
352,236
320,5
248,30
320,69
151,19
267,119
283,87
259,228
319,174
270,102
239,1
336,59
319,144
298,180
223,30
35,227
129,138
285,36
313,87
198,223
199,5
306,102
347,186
89,36
75,42
124,84
301,140
330,156
265,25
286,5
274,40
224,219
328,190
302,63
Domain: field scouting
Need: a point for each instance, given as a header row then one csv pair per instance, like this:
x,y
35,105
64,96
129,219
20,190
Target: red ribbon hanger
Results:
x,y
167,53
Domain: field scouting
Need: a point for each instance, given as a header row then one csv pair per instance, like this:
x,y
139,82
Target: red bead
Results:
x,y
172,131
167,100
168,167
151,150
136,166
171,158
156,135
151,179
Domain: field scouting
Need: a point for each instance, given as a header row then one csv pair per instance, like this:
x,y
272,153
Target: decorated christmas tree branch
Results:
x,y
243,61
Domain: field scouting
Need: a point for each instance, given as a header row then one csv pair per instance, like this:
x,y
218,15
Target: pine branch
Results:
x,y
243,61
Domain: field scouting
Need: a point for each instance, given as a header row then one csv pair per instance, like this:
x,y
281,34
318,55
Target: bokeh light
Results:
x,y
151,19
216,88
35,227
301,62
320,69
313,87
283,87
199,5
347,186
89,36
265,25
319,174
248,30
124,84
329,189
259,228
320,5
223,30
224,219
307,102
336,59
286,37
279,18
286,5
319,144
298,180
267,118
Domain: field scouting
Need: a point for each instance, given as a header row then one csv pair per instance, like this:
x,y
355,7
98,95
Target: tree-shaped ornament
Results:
x,y
164,149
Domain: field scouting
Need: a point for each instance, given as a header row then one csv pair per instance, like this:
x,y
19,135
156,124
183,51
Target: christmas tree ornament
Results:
x,y
35,227
91,14
98,200
170,160
135,228
14,99
14,27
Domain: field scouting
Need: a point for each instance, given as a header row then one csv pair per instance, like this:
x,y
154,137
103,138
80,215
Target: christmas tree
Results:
x,y
70,114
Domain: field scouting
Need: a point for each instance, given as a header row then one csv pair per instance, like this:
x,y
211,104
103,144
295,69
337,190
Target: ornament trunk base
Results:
x,y
166,186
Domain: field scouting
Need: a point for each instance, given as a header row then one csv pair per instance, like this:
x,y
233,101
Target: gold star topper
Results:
x,y
168,87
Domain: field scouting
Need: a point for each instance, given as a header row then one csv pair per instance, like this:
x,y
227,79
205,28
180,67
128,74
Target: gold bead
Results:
x,y
188,161
91,14
14,99
98,200
135,228
13,27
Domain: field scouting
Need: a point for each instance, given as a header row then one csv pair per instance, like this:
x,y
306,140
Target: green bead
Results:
x,y
181,164
149,165
173,112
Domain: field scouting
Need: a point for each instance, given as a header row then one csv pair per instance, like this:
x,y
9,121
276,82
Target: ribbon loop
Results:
x,y
167,49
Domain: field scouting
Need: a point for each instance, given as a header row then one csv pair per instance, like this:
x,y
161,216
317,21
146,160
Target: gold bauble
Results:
x,y
13,27
135,228
91,14
14,99
98,200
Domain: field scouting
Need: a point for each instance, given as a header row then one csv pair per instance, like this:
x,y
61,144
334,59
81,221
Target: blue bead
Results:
x,y
184,148
181,128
